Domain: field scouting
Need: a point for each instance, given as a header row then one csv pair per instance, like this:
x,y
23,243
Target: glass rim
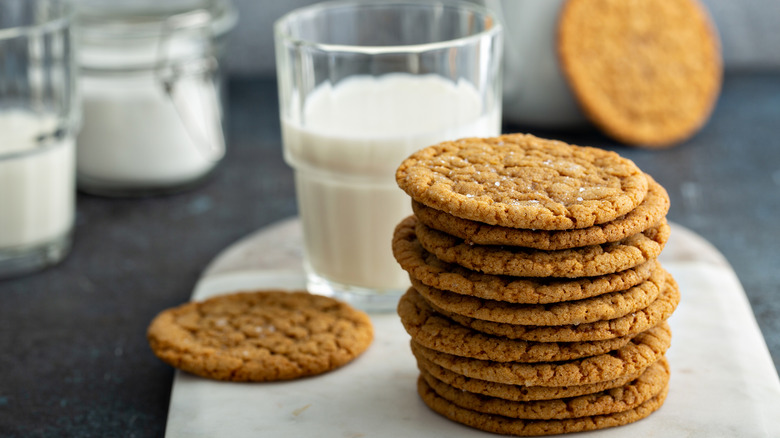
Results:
x,y
221,18
61,21
281,34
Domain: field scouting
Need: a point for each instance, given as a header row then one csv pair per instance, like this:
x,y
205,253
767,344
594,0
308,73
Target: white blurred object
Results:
x,y
152,96
535,91
36,180
38,120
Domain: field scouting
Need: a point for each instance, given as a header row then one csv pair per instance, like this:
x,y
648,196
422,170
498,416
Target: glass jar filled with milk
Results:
x,y
362,85
152,95
39,119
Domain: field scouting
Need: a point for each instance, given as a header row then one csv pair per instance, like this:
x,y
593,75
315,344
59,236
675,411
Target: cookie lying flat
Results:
x,y
588,261
436,332
646,72
512,426
603,307
518,392
630,324
644,349
260,336
433,272
649,384
522,181
648,213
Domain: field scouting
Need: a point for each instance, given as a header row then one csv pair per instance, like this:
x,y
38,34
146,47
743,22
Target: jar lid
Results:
x,y
134,34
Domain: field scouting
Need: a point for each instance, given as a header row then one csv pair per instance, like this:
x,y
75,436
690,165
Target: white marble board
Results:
x,y
723,384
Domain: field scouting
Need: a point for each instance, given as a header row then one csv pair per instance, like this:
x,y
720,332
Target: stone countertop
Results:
x,y
72,347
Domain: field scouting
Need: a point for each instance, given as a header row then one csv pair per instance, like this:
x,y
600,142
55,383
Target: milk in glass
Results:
x,y
346,144
37,182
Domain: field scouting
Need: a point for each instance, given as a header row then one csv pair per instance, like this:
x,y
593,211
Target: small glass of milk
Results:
x,y
362,85
39,119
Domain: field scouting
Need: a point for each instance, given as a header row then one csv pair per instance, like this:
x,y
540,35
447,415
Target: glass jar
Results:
x,y
39,119
152,96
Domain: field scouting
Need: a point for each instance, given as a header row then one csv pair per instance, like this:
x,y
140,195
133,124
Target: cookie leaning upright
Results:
x,y
646,72
527,182
260,336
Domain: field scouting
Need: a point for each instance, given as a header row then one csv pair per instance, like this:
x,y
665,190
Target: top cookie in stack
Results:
x,y
521,181
533,265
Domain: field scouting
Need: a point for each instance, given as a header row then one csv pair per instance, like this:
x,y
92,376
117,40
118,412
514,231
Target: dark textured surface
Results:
x,y
73,354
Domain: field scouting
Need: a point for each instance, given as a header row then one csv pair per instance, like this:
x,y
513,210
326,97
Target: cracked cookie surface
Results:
x,y
518,427
589,261
522,181
643,350
649,384
517,392
432,330
632,323
433,272
648,213
260,336
589,310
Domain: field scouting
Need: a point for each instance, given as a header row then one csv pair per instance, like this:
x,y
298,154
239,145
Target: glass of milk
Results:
x,y
38,121
362,85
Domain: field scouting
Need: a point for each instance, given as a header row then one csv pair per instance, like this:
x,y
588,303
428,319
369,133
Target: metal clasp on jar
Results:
x,y
194,75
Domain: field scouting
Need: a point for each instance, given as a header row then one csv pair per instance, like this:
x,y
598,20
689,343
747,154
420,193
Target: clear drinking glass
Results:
x,y
38,121
362,85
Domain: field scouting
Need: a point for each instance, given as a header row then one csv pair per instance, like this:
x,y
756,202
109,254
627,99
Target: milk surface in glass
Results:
x,y
346,145
37,187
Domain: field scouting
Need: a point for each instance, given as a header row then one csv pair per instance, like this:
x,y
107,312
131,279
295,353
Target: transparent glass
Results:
x,y
39,119
361,87
152,93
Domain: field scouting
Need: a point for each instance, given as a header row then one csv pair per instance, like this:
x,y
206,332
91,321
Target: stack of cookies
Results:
x,y
537,304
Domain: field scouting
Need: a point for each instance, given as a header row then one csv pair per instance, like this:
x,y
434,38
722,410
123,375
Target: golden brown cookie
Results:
x,y
518,392
512,426
630,324
648,213
646,72
603,307
588,261
644,349
522,181
424,266
260,336
649,384
436,332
